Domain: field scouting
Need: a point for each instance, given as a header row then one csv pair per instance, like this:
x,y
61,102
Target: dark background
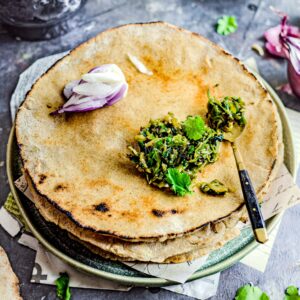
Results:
x,y
254,17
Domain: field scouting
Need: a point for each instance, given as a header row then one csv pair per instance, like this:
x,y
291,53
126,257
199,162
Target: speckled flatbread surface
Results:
x,y
79,161
210,237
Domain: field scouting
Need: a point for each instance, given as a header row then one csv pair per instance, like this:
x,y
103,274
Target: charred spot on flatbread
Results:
x,y
60,187
42,178
158,213
103,207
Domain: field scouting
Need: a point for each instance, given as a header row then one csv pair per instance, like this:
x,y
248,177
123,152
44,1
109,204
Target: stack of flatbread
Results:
x,y
77,167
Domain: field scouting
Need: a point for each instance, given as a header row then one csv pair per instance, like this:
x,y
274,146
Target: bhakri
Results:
x,y
79,161
9,287
180,258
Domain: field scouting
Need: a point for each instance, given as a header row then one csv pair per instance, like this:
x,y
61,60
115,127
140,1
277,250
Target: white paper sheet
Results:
x,y
176,272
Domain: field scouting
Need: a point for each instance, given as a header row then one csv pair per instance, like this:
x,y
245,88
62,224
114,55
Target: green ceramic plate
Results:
x,y
57,241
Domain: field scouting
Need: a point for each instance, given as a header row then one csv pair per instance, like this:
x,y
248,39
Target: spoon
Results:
x,y
252,204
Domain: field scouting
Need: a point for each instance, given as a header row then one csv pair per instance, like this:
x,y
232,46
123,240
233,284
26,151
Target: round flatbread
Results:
x,y
230,234
78,161
9,283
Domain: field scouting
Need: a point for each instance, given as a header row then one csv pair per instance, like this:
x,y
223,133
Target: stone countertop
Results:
x,y
254,17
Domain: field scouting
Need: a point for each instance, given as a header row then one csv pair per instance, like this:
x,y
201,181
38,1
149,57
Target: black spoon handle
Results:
x,y
252,204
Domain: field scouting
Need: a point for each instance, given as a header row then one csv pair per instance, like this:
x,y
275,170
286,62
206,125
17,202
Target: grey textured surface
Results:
x,y
254,16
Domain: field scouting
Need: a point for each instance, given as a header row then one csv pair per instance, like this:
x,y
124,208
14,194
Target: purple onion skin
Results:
x,y
108,101
283,41
118,96
294,79
83,110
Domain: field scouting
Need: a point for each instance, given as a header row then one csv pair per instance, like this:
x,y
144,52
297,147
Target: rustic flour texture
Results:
x,y
78,162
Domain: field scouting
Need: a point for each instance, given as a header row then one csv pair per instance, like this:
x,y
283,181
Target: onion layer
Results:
x,y
101,86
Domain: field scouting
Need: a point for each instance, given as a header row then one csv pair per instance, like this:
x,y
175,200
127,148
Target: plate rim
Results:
x,y
155,281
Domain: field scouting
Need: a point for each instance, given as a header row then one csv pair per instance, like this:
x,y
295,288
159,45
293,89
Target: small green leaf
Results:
x,y
292,293
62,287
227,25
180,182
194,127
292,290
250,292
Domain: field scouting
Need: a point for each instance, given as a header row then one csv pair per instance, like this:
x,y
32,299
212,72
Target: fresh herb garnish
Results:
x,y
180,182
62,287
225,113
167,144
250,292
227,25
292,293
214,188
194,127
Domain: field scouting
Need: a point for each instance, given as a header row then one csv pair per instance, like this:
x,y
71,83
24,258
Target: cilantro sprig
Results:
x,y
62,287
180,182
292,293
250,292
227,25
194,127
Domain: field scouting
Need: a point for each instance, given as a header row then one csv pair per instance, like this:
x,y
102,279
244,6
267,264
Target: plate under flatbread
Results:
x,y
78,161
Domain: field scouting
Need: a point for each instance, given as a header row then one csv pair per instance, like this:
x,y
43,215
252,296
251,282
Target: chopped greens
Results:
x,y
250,292
62,287
292,293
169,152
227,25
180,182
214,188
224,114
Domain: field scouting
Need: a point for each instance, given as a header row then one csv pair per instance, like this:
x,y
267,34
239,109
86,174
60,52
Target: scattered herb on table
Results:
x,y
213,188
62,287
225,113
227,25
292,293
250,292
169,152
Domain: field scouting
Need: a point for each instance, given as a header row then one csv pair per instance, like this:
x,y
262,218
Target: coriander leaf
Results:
x,y
194,127
292,293
180,182
227,25
62,287
250,292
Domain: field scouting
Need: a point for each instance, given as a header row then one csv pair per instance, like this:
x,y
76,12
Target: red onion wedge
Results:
x,y
101,86
68,90
284,41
